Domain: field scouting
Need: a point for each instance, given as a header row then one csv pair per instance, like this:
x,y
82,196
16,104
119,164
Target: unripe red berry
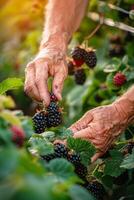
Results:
x,y
78,62
18,135
119,79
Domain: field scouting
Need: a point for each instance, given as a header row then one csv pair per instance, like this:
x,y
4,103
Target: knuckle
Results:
x,y
37,81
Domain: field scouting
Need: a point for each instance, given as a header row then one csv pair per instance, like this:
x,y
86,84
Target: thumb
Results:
x,y
96,156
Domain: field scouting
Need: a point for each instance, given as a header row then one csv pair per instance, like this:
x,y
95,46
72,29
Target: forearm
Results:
x,y
62,20
126,104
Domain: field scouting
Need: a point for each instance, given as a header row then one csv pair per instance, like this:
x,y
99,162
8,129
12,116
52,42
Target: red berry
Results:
x,y
53,98
119,79
78,62
18,135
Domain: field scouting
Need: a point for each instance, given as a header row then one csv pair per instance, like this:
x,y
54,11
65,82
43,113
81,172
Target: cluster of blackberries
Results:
x,y
61,151
51,117
79,57
116,47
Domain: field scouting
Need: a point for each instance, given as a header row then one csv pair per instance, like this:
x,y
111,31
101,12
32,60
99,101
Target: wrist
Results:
x,y
57,41
125,108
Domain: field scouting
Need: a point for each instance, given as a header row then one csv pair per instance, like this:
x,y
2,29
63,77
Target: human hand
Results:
x,y
50,61
101,126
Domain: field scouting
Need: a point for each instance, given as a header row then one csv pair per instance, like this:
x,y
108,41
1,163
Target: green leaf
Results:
x,y
112,165
128,162
8,161
5,136
40,145
62,168
10,84
110,68
63,133
27,126
48,135
78,193
83,147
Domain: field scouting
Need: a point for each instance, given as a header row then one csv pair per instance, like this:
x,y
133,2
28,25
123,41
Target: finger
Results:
x,y
82,123
84,134
41,78
58,82
96,156
30,87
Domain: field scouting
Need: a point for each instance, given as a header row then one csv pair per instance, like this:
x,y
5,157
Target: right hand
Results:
x,y
50,61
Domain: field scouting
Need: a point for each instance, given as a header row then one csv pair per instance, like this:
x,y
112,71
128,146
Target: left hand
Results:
x,y
101,126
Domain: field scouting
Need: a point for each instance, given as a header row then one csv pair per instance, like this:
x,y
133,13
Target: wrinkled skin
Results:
x,y
48,63
50,60
101,126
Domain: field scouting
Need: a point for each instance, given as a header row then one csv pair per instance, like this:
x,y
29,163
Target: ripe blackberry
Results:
x,y
78,53
119,79
54,119
96,189
80,76
115,39
39,122
90,59
74,158
128,148
81,170
48,157
60,150
53,108
53,98
116,50
70,65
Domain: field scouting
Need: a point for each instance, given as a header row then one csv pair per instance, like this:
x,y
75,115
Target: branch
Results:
x,y
109,22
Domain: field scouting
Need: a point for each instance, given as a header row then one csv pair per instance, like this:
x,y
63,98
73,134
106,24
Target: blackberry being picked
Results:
x,y
60,150
80,76
78,53
53,108
96,189
39,122
53,98
90,58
